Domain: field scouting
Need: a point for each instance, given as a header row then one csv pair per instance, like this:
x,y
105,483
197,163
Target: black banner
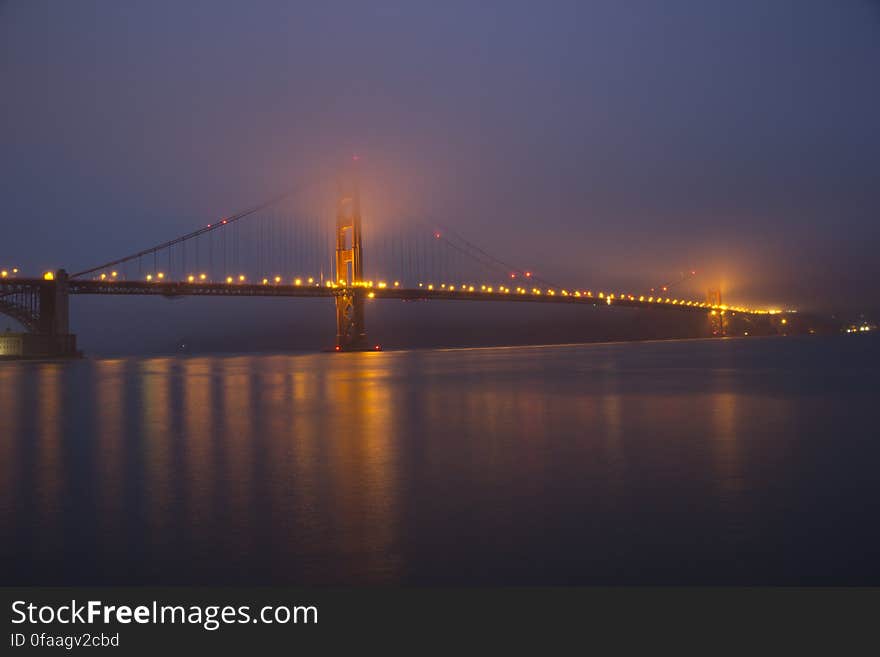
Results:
x,y
152,620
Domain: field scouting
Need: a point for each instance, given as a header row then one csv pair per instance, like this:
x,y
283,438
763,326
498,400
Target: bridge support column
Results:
x,y
716,317
351,334
54,338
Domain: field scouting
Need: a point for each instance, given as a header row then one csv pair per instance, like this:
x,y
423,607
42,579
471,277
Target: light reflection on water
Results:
x,y
689,462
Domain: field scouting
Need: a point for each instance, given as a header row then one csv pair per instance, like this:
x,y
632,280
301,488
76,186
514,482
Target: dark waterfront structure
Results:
x,y
42,307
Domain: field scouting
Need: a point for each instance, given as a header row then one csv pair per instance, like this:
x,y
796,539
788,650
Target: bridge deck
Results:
x,y
180,289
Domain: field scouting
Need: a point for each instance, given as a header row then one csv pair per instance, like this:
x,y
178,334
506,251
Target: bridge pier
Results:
x,y
351,332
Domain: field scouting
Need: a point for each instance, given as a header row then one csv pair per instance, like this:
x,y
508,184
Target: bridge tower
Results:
x,y
351,333
716,317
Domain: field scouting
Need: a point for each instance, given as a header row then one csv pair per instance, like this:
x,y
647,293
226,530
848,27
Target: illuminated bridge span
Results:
x,y
280,256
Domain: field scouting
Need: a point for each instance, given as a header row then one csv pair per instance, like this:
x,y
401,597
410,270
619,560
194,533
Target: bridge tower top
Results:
x,y
349,252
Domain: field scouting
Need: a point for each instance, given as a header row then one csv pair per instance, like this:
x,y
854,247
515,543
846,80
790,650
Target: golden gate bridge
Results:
x,y
279,255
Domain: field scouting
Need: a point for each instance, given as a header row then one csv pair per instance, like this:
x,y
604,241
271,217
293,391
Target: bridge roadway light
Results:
x,y
229,280
297,281
149,277
190,278
4,274
160,275
49,276
202,277
277,279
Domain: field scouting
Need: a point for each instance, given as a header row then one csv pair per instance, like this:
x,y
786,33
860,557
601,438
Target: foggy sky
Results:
x,y
604,142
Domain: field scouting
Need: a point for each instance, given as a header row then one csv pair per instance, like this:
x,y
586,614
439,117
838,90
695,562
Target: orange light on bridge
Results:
x,y
49,276
149,277
371,295
265,281
241,278
160,275
396,283
202,277
4,274
229,280
297,281
277,279
190,278
114,274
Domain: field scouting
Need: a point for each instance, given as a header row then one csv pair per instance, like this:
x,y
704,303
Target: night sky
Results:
x,y
605,143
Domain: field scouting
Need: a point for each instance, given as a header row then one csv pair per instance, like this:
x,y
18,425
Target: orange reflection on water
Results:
x,y
237,439
359,432
49,475
9,439
725,445
155,381
110,446
199,439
